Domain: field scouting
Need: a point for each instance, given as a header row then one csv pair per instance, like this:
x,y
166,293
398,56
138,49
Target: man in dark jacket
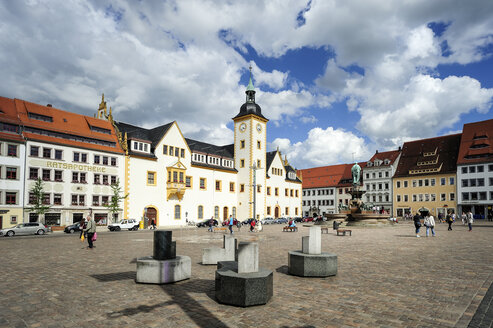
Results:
x,y
417,222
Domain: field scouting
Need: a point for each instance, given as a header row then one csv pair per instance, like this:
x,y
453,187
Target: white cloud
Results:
x,y
324,147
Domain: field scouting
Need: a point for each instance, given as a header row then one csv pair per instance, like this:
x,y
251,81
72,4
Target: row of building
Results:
x,y
166,176
452,173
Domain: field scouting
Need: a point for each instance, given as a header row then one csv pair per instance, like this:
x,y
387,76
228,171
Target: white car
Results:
x,y
31,228
130,224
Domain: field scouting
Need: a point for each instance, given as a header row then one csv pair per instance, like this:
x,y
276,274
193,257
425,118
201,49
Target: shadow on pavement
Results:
x,y
136,310
105,277
283,269
179,293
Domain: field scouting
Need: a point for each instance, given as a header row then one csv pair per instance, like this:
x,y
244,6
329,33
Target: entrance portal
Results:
x,y
225,213
276,212
152,215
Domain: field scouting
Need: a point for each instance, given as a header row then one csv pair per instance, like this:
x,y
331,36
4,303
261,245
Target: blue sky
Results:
x,y
337,79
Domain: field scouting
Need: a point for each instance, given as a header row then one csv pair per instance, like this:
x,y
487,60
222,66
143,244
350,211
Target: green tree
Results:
x,y
37,202
114,205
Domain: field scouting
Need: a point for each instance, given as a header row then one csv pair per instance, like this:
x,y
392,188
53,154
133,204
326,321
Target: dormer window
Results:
x,y
369,164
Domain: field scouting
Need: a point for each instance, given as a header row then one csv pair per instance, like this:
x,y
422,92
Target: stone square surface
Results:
x,y
386,278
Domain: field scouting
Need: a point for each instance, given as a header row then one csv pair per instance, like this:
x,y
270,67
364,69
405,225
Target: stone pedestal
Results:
x,y
215,254
242,289
310,265
311,261
243,283
164,266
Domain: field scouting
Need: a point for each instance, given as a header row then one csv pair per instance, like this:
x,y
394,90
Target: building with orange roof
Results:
x,y
77,157
378,174
475,169
426,176
345,185
320,189
12,157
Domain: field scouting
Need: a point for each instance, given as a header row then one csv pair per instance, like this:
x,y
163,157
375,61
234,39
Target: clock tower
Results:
x,y
250,156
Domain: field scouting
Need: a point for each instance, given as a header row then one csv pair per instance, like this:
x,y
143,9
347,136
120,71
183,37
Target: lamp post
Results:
x,y
254,168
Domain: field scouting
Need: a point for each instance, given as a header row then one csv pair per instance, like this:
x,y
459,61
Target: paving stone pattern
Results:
x,y
386,278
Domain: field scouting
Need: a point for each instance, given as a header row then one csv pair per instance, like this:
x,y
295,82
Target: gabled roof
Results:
x,y
152,136
476,144
210,149
8,112
382,156
269,157
429,156
324,176
65,128
288,169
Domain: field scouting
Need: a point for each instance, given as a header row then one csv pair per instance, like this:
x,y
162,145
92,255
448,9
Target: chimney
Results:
x,y
400,149
376,152
49,105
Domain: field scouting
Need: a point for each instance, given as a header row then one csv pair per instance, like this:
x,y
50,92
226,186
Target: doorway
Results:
x,y
225,213
276,212
152,214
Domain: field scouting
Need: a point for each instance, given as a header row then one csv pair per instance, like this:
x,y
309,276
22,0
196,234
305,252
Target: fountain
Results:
x,y
359,215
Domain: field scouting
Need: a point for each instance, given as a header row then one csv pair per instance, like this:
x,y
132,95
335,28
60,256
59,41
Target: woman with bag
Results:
x,y
91,230
430,225
417,223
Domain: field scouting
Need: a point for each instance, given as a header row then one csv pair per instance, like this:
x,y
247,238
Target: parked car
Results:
x,y
205,223
73,228
268,221
247,221
298,219
281,220
309,219
130,224
226,222
31,228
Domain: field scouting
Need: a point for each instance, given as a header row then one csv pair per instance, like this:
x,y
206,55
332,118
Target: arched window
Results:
x,y
216,212
177,212
234,212
200,213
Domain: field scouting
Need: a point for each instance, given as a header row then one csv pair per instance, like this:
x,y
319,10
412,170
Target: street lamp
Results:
x,y
254,168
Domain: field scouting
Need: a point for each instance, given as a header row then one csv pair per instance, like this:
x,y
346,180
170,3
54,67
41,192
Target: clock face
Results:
x,y
259,127
242,127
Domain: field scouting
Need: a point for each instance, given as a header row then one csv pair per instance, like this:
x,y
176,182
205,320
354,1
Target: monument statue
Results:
x,y
356,170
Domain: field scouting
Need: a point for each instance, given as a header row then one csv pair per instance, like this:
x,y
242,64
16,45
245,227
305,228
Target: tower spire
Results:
x,y
250,91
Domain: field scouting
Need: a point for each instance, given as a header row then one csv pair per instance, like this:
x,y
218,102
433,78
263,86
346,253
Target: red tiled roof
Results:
x,y
390,155
68,123
327,176
429,156
8,113
476,144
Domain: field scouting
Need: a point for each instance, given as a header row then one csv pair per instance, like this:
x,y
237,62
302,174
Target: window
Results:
x,y
464,170
482,195
490,167
76,156
472,169
58,154
258,163
11,173
75,177
104,200
465,182
113,179
451,181
465,196
286,192
34,151
443,181
258,145
296,193
151,178
398,184
57,199
268,210
414,198
181,177
474,196
398,198
452,196
480,168
216,212
406,198
242,144
367,176
105,160
177,152
12,150
472,182
200,212
33,173
113,161
443,197
433,197
268,191
165,149
242,187
420,197
97,159
234,212
46,175
10,198
95,200
83,177
177,212
287,211
171,150
276,191
83,158
218,185
491,181
481,182
232,186
97,178
242,163
427,182
58,175
420,183
188,181
202,183
427,197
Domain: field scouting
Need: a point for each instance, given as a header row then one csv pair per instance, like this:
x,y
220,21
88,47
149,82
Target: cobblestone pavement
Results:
x,y
386,278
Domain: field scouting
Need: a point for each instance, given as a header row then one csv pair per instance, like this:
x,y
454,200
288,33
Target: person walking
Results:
x,y
153,224
90,229
450,220
429,223
417,222
463,218
470,220
490,216
252,225
211,224
231,223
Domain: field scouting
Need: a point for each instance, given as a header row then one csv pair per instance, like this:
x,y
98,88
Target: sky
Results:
x,y
337,80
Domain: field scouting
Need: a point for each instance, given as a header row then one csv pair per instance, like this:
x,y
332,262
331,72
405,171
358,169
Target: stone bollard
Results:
x,y
247,257
312,244
164,246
